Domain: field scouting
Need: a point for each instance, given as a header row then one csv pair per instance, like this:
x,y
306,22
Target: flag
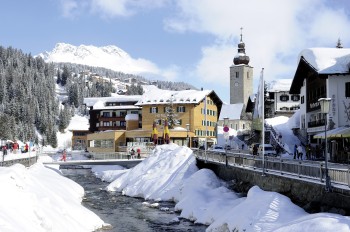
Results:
x,y
154,133
166,132
259,101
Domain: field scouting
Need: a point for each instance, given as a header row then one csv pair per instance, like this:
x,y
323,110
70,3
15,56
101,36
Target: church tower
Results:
x,y
241,76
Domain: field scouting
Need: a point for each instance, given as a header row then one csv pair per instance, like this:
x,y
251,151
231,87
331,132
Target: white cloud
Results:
x,y
274,32
124,8
69,7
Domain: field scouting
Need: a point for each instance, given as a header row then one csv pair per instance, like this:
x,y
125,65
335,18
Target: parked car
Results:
x,y
267,149
218,148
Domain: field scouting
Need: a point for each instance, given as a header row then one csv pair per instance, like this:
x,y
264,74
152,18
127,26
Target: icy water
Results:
x,y
127,213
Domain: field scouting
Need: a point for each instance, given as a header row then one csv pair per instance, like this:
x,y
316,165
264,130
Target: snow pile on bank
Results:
x,y
283,126
156,176
170,174
39,199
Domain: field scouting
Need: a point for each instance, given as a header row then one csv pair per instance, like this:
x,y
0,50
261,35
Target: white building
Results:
x,y
322,73
281,101
234,114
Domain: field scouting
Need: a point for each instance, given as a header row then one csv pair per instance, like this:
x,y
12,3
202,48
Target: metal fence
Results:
x,y
27,162
312,170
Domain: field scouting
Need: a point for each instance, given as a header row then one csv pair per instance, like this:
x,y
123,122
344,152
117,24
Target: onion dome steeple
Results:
x,y
241,57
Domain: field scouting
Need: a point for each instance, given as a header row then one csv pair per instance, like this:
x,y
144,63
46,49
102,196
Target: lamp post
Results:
x,y
226,135
325,103
187,139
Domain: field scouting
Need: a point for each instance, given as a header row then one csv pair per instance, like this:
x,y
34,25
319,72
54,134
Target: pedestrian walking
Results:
x,y
300,152
64,155
308,151
15,147
242,146
4,152
26,147
132,153
138,153
295,151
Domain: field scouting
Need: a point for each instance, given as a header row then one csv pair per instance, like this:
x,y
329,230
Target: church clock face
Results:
x,y
236,84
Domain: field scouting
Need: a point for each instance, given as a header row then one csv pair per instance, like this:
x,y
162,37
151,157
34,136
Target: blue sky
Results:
x,y
189,40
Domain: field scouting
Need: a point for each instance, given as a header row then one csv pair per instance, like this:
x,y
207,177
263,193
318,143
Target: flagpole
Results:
x,y
206,128
261,90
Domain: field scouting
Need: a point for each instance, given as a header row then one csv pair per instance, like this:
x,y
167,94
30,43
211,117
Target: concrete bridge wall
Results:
x,y
310,196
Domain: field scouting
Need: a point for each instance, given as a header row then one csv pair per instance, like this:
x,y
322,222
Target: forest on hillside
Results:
x,y
30,109
27,97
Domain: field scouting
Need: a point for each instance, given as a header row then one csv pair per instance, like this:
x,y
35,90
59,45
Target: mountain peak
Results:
x,y
111,57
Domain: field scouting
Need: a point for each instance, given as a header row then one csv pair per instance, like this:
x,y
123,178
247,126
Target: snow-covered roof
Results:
x,y
232,111
160,96
327,60
132,117
92,101
280,85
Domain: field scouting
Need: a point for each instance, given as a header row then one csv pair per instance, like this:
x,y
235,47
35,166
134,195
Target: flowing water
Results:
x,y
127,213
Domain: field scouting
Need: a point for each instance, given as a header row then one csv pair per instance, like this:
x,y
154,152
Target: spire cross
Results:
x,y
241,33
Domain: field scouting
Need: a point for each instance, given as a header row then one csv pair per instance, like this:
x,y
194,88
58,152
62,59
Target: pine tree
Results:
x,y
170,113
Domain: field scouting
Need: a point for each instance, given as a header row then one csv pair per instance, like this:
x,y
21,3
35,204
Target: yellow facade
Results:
x,y
194,115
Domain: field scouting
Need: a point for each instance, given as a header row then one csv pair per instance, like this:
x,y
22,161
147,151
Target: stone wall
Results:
x,y
309,195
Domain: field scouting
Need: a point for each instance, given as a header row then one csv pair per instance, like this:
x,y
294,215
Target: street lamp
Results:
x,y
225,130
325,103
188,129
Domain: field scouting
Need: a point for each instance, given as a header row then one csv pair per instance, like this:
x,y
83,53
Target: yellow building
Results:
x,y
195,115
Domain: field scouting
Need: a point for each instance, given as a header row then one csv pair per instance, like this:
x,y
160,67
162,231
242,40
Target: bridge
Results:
x,y
121,162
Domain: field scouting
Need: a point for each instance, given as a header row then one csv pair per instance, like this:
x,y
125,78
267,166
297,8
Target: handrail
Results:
x,y
288,168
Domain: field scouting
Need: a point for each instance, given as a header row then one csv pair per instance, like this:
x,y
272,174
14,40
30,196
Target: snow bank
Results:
x,y
156,176
170,173
39,199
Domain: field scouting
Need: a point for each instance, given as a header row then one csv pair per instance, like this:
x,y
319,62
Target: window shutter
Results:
x,y
150,109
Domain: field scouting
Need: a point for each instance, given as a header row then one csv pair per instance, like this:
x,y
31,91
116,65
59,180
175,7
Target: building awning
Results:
x,y
340,132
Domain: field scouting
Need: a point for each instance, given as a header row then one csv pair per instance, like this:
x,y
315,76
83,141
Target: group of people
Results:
x,y
298,152
311,152
131,154
13,147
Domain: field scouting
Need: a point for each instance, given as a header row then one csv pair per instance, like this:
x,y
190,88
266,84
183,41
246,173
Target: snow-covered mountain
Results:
x,y
110,57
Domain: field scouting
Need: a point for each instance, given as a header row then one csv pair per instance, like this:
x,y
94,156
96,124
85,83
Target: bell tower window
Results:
x,y
237,74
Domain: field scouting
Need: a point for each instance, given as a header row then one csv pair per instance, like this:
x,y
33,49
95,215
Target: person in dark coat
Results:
x,y
295,151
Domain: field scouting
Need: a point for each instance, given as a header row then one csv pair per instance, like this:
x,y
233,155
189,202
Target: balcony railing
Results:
x,y
103,128
316,123
112,118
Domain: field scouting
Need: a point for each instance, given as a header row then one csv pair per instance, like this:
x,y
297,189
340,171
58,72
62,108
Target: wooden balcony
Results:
x,y
108,119
103,128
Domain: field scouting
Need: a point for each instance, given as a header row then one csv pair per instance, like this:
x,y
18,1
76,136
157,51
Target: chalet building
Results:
x,y
279,101
109,113
323,73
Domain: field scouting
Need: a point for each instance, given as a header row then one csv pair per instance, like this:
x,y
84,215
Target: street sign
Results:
x,y
226,135
226,128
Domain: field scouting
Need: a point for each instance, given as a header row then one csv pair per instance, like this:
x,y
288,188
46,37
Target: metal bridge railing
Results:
x,y
289,168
